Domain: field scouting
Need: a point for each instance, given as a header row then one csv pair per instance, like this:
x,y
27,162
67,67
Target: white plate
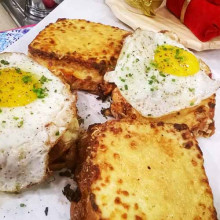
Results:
x,y
163,20
50,194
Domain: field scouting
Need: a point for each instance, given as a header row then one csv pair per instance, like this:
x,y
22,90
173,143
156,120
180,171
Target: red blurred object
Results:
x,y
49,3
202,17
216,2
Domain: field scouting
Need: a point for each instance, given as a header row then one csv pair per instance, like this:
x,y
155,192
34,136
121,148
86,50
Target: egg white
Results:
x,y
170,93
24,151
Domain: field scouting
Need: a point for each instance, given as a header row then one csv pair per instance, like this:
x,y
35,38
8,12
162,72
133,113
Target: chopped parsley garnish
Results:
x,y
40,92
0,111
150,82
15,118
20,124
3,122
18,70
173,80
137,60
153,64
22,205
152,89
57,133
191,103
153,77
161,74
123,80
191,89
55,90
26,79
44,79
128,55
147,69
149,114
126,87
5,62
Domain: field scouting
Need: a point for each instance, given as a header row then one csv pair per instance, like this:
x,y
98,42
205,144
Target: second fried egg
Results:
x,y
157,75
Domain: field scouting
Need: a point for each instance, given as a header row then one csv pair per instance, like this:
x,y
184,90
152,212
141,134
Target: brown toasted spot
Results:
x,y
152,125
124,216
92,200
117,200
200,109
188,145
180,127
133,145
116,156
148,167
194,163
103,147
186,135
136,206
115,130
127,136
211,105
107,179
120,181
138,217
160,123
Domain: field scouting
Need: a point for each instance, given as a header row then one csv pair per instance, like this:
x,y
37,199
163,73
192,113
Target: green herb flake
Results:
x,y
123,80
20,123
137,60
57,133
173,80
191,103
150,82
55,90
3,122
0,110
40,92
128,55
26,79
162,74
147,69
130,75
22,205
152,89
15,118
4,62
18,70
126,87
153,64
191,89
44,79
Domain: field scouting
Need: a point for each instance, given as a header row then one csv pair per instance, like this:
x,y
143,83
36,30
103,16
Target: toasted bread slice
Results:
x,y
131,170
79,51
200,118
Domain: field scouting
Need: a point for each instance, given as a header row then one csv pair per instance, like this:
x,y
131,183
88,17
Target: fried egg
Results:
x,y
158,76
35,111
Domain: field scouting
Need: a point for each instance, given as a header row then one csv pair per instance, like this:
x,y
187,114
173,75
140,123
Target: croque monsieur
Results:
x,y
159,80
132,170
80,52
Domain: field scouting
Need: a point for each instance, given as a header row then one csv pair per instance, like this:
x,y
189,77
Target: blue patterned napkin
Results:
x,y
9,37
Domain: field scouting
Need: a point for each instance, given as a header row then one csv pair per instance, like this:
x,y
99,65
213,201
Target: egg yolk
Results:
x,y
176,61
16,87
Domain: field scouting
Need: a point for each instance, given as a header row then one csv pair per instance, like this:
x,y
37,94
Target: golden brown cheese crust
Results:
x,y
78,50
200,118
131,170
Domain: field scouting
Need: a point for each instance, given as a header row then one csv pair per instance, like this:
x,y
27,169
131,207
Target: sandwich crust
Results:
x,y
199,119
131,170
79,51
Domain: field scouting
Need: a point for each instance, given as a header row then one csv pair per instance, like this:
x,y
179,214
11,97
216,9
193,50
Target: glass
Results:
x,y
40,8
